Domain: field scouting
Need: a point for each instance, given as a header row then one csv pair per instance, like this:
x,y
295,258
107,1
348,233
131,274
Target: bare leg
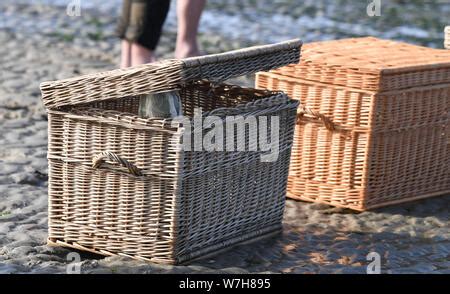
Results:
x,y
134,54
141,55
188,13
125,54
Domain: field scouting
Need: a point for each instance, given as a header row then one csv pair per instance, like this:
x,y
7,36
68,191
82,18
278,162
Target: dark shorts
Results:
x,y
142,21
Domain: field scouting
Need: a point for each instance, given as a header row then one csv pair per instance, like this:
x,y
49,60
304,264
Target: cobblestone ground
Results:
x,y
411,238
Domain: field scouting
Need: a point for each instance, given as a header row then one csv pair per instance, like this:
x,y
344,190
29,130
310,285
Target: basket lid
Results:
x,y
168,75
371,64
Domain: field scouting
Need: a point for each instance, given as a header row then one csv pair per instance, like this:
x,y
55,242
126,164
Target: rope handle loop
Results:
x,y
100,158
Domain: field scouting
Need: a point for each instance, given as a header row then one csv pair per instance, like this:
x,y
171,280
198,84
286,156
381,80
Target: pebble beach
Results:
x,y
40,42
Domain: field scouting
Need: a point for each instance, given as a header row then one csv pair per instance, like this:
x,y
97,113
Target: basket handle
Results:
x,y
326,121
99,159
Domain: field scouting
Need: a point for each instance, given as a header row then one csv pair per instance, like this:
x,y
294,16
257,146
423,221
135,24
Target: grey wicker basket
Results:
x,y
123,185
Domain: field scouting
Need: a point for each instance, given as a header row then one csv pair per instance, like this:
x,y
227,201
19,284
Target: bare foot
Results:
x,y
184,50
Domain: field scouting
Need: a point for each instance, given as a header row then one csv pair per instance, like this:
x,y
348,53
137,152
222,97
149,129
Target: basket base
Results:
x,y
248,241
199,255
368,207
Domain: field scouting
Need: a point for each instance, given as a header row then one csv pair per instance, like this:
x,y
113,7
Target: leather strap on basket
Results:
x,y
101,157
326,121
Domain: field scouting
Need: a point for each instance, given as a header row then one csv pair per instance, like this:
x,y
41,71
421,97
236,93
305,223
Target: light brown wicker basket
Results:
x,y
447,37
123,185
373,127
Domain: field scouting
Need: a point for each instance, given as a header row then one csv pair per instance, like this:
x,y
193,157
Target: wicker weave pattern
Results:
x,y
167,75
139,214
123,185
386,146
371,64
447,37
350,109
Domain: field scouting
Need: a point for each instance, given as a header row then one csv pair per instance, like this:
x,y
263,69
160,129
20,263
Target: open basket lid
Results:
x,y
168,75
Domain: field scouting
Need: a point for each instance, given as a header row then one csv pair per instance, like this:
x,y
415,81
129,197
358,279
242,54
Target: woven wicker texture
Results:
x,y
371,64
123,185
168,75
363,149
447,37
